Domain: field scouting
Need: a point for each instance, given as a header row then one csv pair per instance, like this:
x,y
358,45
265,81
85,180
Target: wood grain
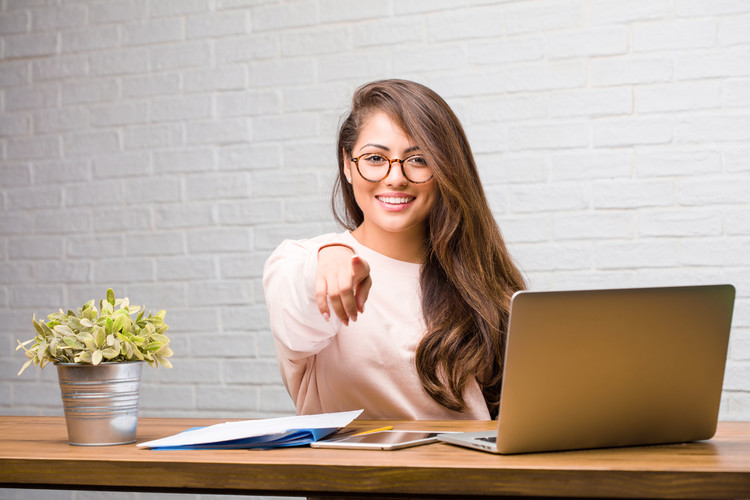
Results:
x,y
34,453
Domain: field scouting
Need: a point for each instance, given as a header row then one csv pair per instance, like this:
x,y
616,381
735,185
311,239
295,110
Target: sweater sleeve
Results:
x,y
289,286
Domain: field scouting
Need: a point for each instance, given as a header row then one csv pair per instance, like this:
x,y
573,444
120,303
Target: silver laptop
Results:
x,y
607,368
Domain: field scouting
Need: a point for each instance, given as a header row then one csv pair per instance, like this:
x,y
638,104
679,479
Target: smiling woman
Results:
x,y
421,251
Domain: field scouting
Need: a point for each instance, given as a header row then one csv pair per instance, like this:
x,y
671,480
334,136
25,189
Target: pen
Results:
x,y
387,428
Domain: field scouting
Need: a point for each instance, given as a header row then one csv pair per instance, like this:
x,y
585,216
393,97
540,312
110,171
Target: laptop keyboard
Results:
x,y
490,439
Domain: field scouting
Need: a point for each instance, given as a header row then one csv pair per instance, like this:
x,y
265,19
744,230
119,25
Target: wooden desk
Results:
x,y
34,453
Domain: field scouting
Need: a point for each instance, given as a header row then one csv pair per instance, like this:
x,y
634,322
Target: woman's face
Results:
x,y
393,207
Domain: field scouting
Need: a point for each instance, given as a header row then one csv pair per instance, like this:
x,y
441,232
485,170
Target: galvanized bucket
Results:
x,y
100,402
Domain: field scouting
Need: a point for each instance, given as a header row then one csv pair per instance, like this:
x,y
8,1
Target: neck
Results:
x,y
407,246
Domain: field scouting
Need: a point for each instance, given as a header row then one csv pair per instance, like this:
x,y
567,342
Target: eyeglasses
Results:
x,y
374,167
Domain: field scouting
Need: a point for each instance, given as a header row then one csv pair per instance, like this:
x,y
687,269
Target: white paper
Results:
x,y
252,428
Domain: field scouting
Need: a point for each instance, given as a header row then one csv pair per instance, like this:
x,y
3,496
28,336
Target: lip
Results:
x,y
395,202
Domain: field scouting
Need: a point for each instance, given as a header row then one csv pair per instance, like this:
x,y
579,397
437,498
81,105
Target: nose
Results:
x,y
396,175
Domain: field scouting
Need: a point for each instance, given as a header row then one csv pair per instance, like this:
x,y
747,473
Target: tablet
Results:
x,y
381,440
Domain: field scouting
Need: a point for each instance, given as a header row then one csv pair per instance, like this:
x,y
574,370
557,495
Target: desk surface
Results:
x,y
34,453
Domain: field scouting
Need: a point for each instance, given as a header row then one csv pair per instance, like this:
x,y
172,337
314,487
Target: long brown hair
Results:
x,y
467,276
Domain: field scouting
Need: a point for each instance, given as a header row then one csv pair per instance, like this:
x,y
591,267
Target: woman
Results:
x,y
403,314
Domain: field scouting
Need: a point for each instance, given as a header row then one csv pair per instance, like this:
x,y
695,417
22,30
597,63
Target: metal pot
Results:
x,y
100,402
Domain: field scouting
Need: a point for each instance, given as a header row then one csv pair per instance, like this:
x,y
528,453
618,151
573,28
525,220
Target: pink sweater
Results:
x,y
369,364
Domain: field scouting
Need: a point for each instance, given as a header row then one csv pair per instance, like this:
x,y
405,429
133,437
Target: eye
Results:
x,y
417,161
375,159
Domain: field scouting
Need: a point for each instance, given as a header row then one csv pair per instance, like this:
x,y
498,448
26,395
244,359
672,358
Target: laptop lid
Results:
x,y
605,368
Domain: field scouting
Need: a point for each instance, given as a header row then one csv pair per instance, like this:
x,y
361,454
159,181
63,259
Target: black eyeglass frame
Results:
x,y
390,165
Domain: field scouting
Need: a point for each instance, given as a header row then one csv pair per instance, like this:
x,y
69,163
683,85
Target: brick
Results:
x,y
246,266
636,254
540,198
14,22
735,160
245,318
155,244
219,241
176,216
123,270
735,93
89,91
510,108
531,48
591,164
31,97
224,78
476,22
713,191
725,63
30,45
387,31
617,12
407,60
218,186
91,144
710,8
713,128
268,185
276,401
591,102
286,126
630,70
58,17
179,56
678,97
117,11
15,124
178,7
633,131
120,62
217,24
268,237
305,210
467,84
677,35
157,296
247,103
684,223
274,17
218,132
35,248
152,137
16,272
259,372
33,148
675,163
180,108
227,398
223,346
49,296
60,120
184,160
114,219
286,72
587,43
153,32
193,371
14,73
240,49
545,16
15,224
734,30
162,396
556,136
555,257
633,194
64,271
94,246
196,319
526,229
151,86
102,193
547,76
249,212
594,226
314,42
62,222
90,38
715,252
122,165
60,68
489,137
181,268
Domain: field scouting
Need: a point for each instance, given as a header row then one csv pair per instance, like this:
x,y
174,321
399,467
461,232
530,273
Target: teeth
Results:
x,y
394,200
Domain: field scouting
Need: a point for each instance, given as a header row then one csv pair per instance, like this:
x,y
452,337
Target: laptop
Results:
x,y
609,368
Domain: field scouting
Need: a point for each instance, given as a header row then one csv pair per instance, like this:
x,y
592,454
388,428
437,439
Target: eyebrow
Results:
x,y
386,148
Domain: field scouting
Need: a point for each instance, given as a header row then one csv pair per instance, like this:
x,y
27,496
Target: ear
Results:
x,y
347,166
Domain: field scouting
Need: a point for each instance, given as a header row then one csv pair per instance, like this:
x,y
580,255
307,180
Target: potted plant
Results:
x,y
99,356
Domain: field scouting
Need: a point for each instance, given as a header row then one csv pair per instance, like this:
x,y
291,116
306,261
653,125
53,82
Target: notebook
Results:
x,y
608,368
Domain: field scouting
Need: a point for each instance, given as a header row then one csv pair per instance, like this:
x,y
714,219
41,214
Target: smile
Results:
x,y
396,200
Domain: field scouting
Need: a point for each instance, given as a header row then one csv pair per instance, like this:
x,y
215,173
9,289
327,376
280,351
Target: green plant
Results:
x,y
89,336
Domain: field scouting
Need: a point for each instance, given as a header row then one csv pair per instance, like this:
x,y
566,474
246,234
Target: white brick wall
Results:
x,y
165,147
